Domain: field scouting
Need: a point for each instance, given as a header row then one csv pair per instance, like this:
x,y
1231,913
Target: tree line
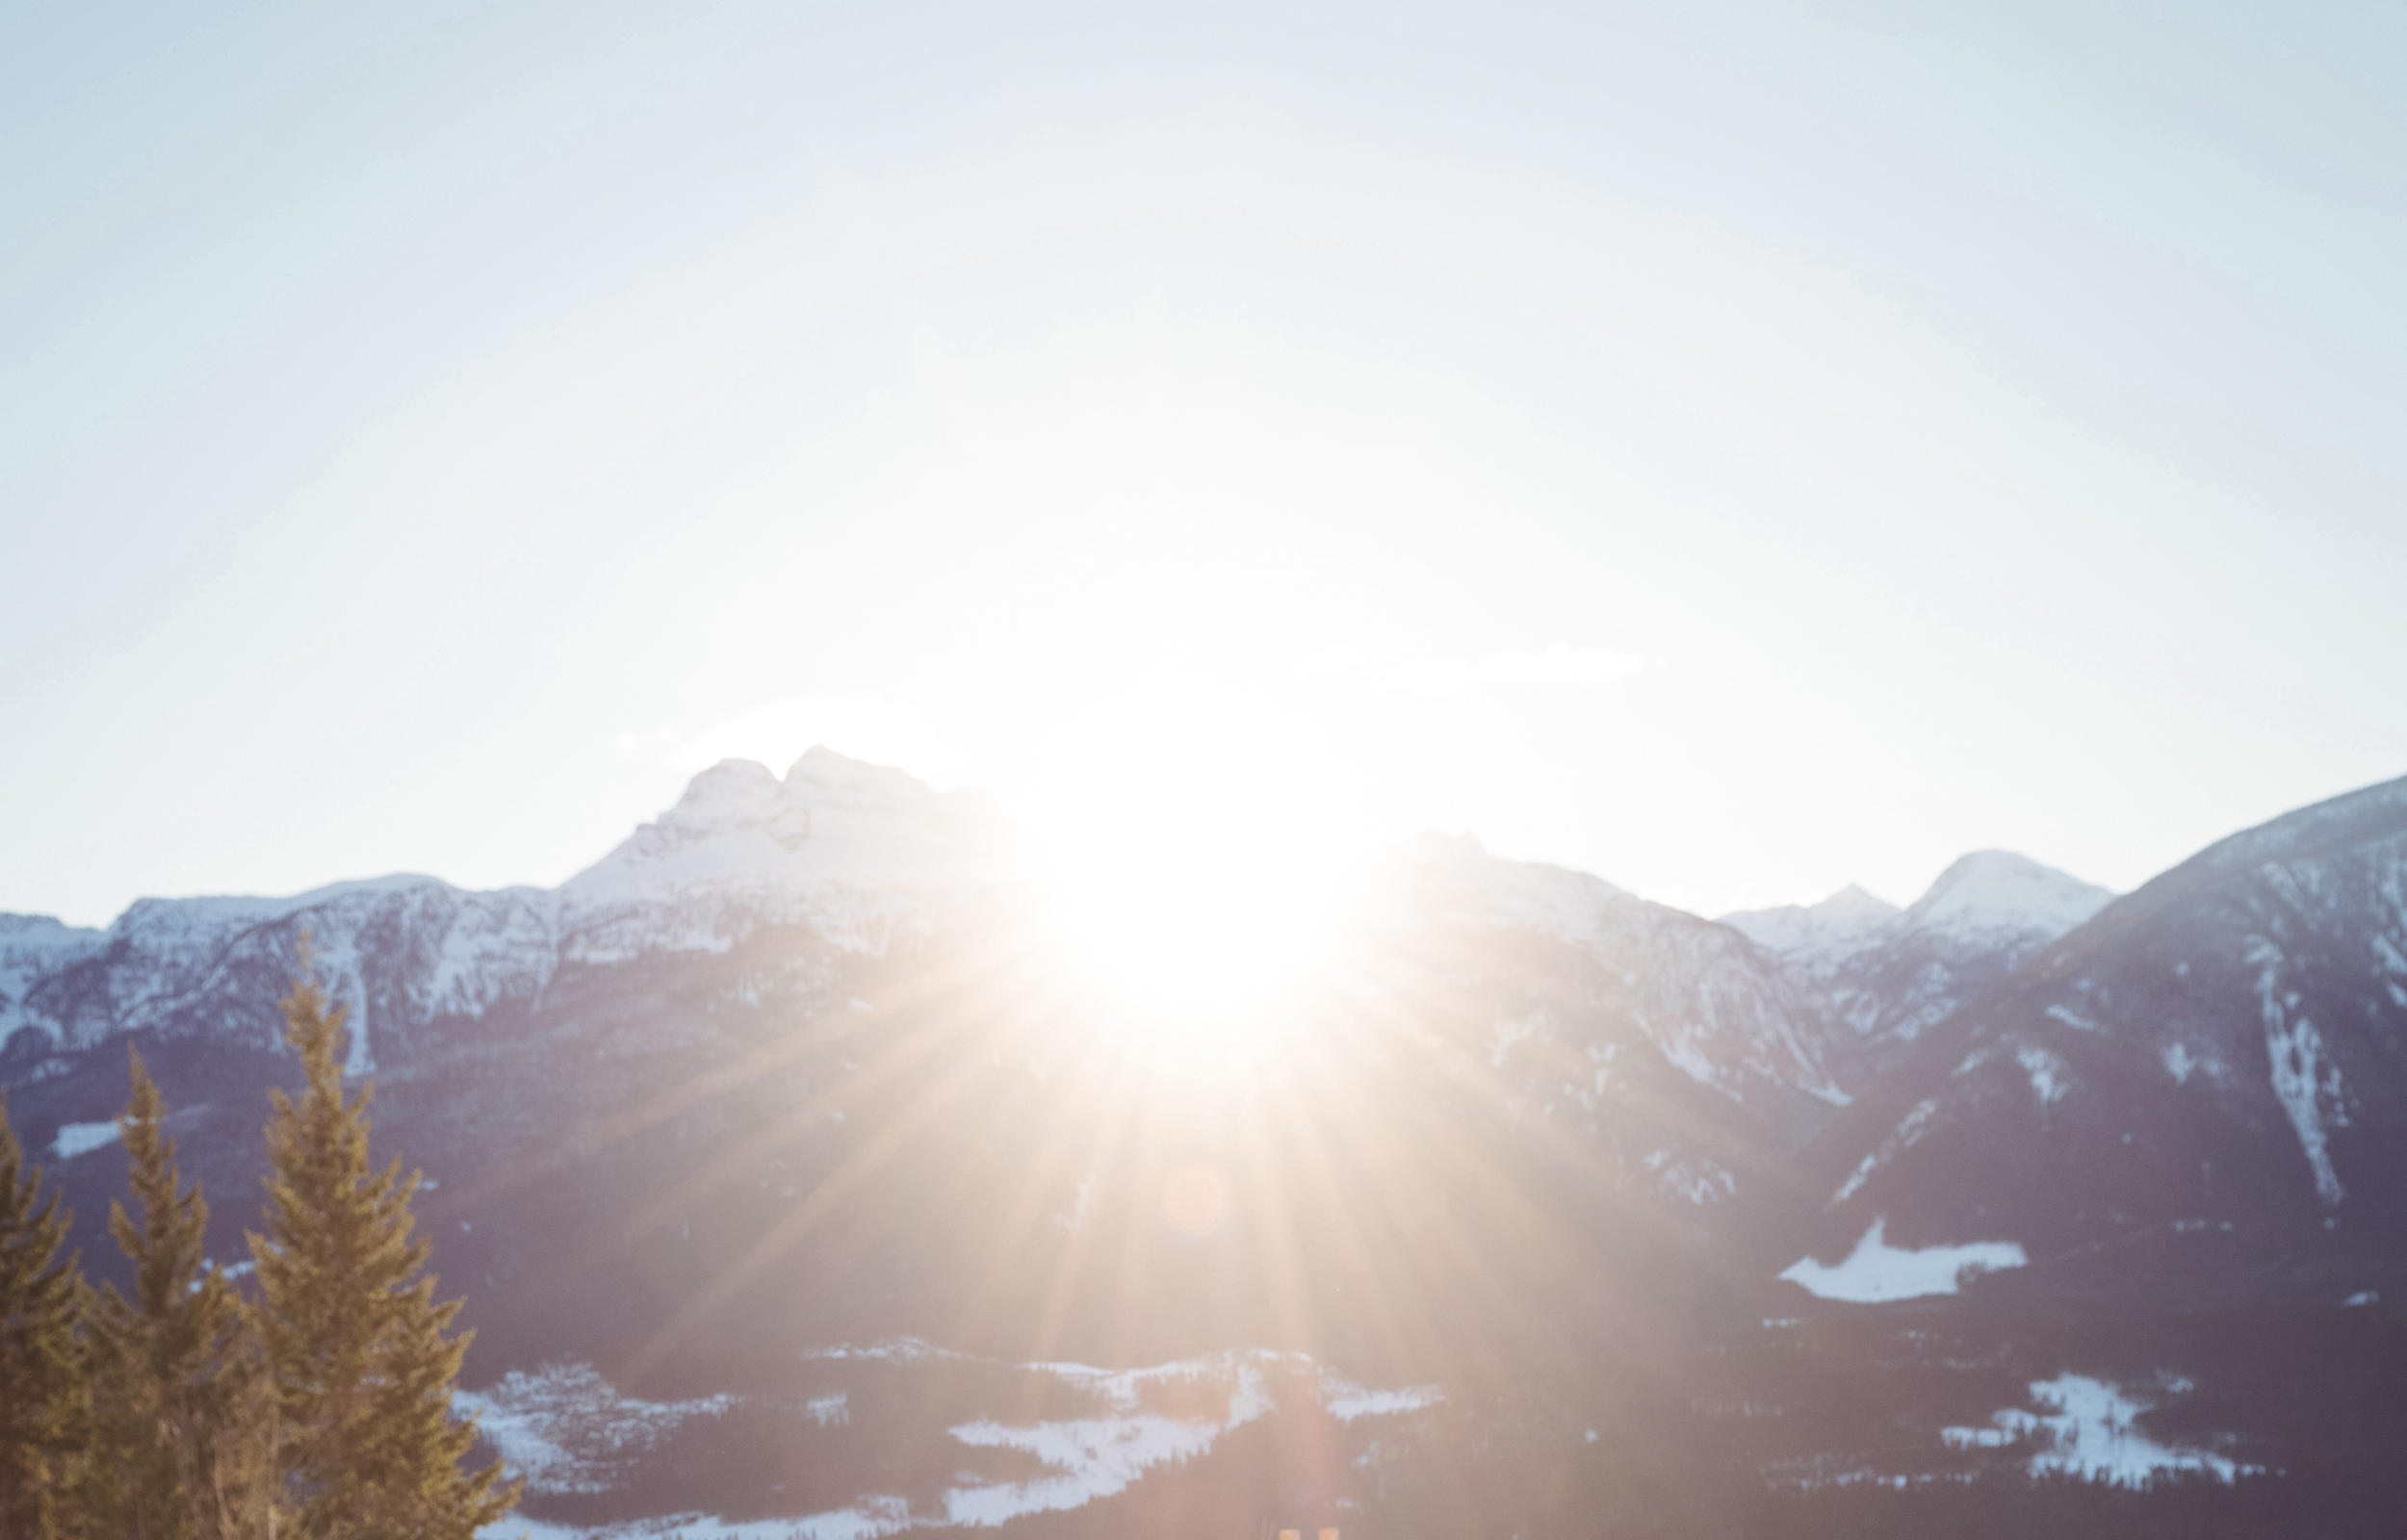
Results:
x,y
315,1406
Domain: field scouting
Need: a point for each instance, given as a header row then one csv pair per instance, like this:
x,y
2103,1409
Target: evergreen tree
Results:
x,y
182,1441
359,1370
43,1426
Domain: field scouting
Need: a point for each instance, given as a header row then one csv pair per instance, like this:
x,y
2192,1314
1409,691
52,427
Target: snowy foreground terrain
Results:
x,y
567,1431
798,1183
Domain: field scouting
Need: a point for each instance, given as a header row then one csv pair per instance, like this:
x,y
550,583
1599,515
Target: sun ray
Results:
x,y
1335,1218
1119,1113
951,1086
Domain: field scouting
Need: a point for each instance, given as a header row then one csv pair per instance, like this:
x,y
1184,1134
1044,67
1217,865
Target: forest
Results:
x,y
312,1402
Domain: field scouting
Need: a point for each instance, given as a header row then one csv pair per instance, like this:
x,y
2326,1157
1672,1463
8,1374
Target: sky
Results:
x,y
1736,449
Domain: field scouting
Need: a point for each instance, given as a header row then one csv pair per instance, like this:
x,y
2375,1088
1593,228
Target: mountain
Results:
x,y
2201,1090
797,1070
1687,999
844,861
797,1183
1889,976
853,852
1800,928
857,853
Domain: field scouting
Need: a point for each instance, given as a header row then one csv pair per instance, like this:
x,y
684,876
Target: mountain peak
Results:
x,y
2001,890
1844,915
830,819
823,776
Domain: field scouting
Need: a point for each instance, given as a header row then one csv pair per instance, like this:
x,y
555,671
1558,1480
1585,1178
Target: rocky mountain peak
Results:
x,y
1844,915
830,819
1999,890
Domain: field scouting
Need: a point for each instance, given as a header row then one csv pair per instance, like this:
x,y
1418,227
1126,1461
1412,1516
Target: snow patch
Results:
x,y
901,1350
870,1518
2049,1075
2302,1081
1697,1181
1098,1456
1348,1403
82,1139
1902,1137
830,1411
2086,1427
565,1430
1877,1272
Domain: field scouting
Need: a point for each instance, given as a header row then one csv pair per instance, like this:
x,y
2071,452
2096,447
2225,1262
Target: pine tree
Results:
x,y
361,1371
182,1440
43,1426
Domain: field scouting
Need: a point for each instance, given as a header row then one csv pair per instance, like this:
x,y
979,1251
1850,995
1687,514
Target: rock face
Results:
x,y
2215,1064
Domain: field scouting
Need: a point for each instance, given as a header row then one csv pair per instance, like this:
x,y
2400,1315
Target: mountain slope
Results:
x,y
1710,1004
726,1131
2222,1056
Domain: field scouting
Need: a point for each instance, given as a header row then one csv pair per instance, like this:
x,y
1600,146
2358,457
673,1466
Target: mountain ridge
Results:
x,y
1533,1131
2220,1053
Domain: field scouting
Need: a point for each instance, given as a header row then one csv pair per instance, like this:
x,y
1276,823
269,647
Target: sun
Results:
x,y
1199,937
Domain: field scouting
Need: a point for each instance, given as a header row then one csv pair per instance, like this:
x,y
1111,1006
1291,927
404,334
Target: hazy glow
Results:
x,y
1195,1199
1194,923
1026,397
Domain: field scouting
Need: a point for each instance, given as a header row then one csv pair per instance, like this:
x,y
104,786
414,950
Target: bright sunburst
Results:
x,y
1197,938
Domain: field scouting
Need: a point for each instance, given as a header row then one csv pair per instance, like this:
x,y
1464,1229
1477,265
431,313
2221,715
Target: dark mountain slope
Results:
x,y
2212,1073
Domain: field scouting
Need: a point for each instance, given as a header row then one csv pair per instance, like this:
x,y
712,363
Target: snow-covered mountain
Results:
x,y
2218,1060
792,1071
839,859
854,854
1709,1004
1890,975
779,974
1840,918
851,851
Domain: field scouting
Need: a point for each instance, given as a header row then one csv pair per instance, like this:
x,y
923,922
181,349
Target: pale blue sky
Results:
x,y
1736,449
